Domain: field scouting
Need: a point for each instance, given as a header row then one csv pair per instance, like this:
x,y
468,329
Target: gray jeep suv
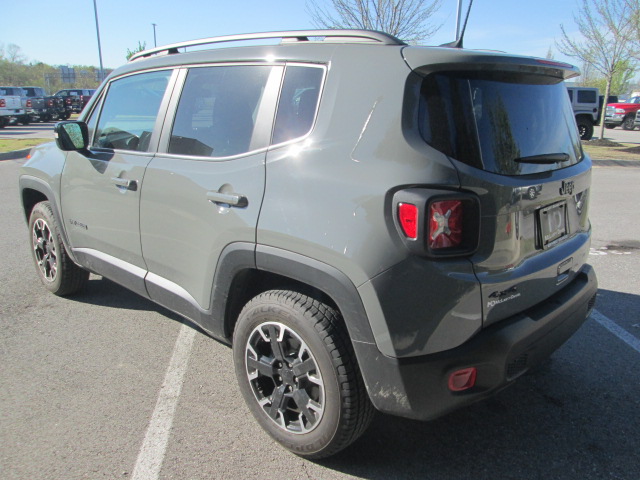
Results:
x,y
368,224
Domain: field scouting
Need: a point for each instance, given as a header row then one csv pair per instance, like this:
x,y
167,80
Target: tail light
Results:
x,y
29,104
408,217
3,103
437,223
50,103
445,224
67,101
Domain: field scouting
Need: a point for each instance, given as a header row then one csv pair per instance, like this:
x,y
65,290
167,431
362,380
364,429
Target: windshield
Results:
x,y
511,124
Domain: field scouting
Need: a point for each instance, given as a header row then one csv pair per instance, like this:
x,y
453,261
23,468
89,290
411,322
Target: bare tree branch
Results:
x,y
608,38
405,19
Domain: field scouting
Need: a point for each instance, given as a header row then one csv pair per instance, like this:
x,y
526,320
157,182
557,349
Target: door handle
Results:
x,y
232,199
125,183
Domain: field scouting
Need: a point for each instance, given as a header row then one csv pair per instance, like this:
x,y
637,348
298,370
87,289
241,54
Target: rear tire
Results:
x,y
585,128
298,374
55,268
610,126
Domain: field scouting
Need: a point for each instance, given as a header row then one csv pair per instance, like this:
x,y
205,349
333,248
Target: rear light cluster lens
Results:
x,y
408,217
445,224
437,223
29,104
3,103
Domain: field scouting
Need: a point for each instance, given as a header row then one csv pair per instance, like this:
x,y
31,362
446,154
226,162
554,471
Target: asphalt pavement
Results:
x,y
108,385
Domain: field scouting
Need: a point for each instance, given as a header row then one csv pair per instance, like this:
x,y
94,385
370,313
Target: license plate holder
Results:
x,y
552,223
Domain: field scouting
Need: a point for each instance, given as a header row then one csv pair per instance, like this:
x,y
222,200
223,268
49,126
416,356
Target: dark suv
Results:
x,y
369,224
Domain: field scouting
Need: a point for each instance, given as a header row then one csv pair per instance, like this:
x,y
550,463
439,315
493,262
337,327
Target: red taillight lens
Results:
x,y
445,224
3,103
29,104
68,101
50,103
408,216
463,379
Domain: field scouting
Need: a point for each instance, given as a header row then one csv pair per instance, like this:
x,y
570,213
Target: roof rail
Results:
x,y
356,36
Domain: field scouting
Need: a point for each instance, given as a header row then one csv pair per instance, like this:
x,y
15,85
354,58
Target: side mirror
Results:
x,y
71,136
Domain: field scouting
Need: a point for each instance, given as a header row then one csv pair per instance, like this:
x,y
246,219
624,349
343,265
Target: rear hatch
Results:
x,y
508,127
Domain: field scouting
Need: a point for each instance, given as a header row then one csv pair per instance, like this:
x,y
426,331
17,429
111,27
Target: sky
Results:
x,y
63,32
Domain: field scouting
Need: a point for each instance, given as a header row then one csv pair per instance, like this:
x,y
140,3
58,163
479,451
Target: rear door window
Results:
x,y
298,102
587,96
217,110
509,124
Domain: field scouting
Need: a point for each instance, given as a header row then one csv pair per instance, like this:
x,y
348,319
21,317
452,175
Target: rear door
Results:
x,y
513,139
101,187
204,189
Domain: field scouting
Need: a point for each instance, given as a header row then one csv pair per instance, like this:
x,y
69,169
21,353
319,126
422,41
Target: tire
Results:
x,y
311,369
627,123
56,270
25,120
585,128
3,122
610,126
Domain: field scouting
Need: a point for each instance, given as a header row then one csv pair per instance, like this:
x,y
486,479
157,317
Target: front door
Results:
x,y
101,187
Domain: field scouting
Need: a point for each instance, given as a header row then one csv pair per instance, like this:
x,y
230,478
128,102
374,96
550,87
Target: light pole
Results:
x,y
155,44
95,9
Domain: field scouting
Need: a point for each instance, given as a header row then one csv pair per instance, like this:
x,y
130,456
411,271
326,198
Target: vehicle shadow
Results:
x,y
103,292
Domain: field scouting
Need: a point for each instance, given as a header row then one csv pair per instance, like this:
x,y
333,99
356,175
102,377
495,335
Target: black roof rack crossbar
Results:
x,y
356,36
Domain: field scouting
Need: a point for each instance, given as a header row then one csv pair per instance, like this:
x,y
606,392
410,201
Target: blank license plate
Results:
x,y
553,223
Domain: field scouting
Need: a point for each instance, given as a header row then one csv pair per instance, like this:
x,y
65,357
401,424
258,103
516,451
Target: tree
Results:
x,y
405,19
621,81
608,29
139,48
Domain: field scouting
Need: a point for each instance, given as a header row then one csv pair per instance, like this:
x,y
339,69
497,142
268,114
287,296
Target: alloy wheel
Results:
x,y
284,377
44,249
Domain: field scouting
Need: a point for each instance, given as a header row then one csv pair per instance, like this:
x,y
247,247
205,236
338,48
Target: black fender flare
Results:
x,y
28,182
241,256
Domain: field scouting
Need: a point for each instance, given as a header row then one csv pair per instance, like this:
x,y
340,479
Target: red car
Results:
x,y
622,114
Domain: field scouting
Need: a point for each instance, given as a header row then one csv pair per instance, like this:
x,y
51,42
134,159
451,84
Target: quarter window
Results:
x,y
130,110
298,103
217,110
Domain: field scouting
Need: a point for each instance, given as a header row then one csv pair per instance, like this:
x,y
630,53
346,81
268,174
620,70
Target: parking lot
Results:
x,y
108,385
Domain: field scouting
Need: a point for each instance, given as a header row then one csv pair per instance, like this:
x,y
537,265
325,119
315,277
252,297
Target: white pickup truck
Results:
x,y
11,106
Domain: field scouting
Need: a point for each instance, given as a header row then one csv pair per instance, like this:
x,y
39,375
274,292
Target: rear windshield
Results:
x,y
11,91
511,124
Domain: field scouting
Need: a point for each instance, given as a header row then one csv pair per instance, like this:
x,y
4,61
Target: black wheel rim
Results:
x,y
582,130
284,377
44,250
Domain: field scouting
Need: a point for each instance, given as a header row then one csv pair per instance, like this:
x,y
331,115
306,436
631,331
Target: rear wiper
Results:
x,y
546,158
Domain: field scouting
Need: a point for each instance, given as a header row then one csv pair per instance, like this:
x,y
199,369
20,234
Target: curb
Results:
x,y
616,163
15,154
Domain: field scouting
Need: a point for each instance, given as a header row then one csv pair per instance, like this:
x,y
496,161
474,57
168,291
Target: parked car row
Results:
x,y
30,104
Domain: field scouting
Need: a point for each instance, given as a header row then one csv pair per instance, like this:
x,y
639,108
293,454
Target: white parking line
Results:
x,y
617,330
155,442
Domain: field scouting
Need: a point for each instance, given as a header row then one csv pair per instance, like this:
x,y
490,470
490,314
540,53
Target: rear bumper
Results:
x,y
418,387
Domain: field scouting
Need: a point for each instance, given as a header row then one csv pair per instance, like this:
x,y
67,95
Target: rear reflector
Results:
x,y
463,379
408,216
445,224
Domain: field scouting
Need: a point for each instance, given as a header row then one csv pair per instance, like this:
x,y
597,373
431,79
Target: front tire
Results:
x,y
298,374
55,268
628,122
